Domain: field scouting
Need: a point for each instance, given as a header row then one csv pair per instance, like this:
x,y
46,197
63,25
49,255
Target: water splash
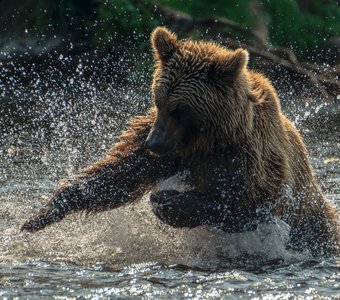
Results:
x,y
132,234
53,124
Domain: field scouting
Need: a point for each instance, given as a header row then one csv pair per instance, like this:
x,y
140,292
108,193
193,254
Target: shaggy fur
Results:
x,y
222,123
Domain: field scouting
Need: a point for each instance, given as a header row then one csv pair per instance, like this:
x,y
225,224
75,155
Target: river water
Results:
x,y
49,133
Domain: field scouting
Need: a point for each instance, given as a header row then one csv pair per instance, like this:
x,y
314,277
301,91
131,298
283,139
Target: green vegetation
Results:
x,y
44,16
236,10
300,24
125,21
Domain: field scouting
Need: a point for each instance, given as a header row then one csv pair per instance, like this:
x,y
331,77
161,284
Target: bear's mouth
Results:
x,y
161,150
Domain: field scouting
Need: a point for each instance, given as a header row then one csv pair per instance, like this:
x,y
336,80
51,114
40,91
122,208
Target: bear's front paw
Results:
x,y
174,208
44,218
163,196
33,225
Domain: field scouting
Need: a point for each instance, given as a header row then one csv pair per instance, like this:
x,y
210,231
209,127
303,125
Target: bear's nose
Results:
x,y
153,144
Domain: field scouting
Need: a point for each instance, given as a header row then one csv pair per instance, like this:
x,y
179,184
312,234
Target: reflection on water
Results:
x,y
128,252
40,280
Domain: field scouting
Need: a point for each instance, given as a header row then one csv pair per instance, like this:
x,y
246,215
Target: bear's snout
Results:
x,y
158,142
163,136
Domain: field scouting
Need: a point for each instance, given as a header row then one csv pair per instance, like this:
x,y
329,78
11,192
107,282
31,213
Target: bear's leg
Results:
x,y
55,209
319,233
192,209
105,185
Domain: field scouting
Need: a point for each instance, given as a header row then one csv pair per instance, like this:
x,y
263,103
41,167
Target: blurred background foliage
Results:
x,y
298,24
301,24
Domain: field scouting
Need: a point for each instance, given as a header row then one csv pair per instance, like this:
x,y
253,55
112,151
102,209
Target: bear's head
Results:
x,y
201,94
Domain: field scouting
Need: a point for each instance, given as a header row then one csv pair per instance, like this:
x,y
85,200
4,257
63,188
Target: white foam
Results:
x,y
176,182
132,234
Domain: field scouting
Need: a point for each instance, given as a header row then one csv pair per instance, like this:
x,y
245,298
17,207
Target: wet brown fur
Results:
x,y
239,115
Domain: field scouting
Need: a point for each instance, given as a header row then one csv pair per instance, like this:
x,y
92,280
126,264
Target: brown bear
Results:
x,y
223,125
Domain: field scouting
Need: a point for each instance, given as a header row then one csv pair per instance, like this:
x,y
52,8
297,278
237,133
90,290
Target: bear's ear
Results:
x,y
164,44
238,61
227,68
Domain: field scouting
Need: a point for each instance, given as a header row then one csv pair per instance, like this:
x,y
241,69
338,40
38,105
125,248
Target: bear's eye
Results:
x,y
180,111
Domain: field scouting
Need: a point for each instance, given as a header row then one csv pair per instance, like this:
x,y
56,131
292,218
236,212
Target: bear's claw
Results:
x,y
32,225
42,220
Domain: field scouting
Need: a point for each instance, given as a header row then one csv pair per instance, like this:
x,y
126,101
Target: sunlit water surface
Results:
x,y
51,133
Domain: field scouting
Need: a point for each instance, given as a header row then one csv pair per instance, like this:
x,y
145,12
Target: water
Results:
x,y
50,133
305,280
